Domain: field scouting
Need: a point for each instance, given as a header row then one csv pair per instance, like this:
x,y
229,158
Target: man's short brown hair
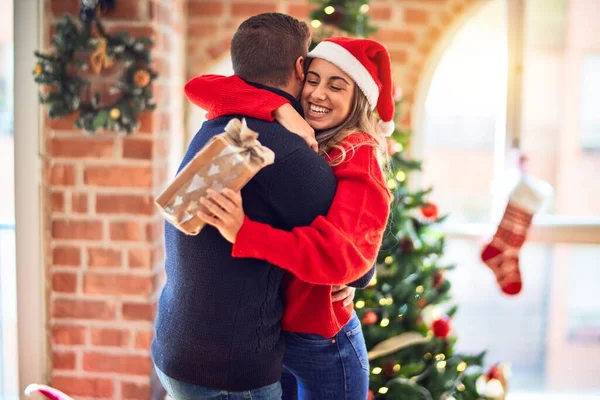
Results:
x,y
265,48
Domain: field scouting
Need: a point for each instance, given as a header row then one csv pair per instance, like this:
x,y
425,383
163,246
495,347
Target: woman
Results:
x,y
346,79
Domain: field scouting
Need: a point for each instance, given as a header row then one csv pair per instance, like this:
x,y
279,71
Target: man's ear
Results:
x,y
299,68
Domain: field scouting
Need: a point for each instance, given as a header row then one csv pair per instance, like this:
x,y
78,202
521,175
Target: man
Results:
x,y
218,323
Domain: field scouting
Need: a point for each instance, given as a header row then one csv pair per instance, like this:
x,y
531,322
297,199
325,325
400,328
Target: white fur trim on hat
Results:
x,y
344,60
387,128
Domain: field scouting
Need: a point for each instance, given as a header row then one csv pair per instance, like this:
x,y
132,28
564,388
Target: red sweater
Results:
x,y
336,249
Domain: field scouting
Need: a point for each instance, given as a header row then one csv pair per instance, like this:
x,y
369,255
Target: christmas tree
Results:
x,y
406,311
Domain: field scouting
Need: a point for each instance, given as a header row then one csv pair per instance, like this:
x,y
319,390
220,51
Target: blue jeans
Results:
x,y
317,368
186,391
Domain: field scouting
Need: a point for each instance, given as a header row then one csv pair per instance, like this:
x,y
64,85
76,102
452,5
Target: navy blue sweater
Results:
x,y
218,321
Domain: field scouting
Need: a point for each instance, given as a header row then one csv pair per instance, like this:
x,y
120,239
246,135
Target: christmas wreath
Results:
x,y
80,47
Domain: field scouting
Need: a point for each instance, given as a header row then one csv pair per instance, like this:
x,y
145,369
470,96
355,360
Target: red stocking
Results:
x,y
502,253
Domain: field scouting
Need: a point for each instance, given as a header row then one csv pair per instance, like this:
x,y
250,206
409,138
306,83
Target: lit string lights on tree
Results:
x,y
79,48
341,18
406,319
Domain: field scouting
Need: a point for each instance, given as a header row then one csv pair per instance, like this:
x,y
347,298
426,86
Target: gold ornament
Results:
x,y
115,113
141,78
46,90
99,59
38,69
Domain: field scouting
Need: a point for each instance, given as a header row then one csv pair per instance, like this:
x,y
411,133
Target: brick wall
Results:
x,y
408,28
103,235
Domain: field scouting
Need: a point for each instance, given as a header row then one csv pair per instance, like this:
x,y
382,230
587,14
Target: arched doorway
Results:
x,y
464,131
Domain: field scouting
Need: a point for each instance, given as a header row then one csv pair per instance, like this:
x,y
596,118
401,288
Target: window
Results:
x,y
589,117
524,72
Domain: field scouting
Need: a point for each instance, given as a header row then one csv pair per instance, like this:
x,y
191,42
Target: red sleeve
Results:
x,y
225,95
338,248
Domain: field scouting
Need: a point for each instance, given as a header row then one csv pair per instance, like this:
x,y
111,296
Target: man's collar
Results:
x,y
295,103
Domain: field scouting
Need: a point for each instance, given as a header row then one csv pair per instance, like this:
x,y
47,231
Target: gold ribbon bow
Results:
x,y
242,136
99,59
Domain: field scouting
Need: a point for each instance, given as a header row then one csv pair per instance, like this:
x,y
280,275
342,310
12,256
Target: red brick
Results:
x,y
85,387
138,311
416,16
390,35
250,9
140,149
57,199
69,335
154,231
433,34
140,258
137,32
129,9
398,56
104,257
445,18
61,7
63,360
62,175
118,176
146,119
135,391
217,50
382,13
425,48
458,8
70,256
87,230
301,11
143,339
120,364
201,8
64,282
201,29
82,147
79,203
82,309
110,337
406,119
125,204
118,284
129,231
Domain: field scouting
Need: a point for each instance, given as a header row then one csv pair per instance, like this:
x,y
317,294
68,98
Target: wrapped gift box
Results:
x,y
228,160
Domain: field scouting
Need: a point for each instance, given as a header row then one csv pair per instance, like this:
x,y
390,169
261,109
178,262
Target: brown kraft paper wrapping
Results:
x,y
228,160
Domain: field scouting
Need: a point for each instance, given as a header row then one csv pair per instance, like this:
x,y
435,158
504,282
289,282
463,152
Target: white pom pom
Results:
x,y
387,128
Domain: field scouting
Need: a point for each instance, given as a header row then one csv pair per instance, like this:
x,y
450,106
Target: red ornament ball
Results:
x,y
441,327
429,211
335,18
406,244
371,395
421,303
388,368
494,373
370,318
438,279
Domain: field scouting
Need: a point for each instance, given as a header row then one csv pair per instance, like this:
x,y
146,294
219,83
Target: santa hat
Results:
x,y
368,63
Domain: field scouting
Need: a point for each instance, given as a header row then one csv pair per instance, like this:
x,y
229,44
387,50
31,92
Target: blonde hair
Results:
x,y
361,119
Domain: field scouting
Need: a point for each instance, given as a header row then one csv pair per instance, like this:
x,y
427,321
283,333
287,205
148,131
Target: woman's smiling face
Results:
x,y
327,95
